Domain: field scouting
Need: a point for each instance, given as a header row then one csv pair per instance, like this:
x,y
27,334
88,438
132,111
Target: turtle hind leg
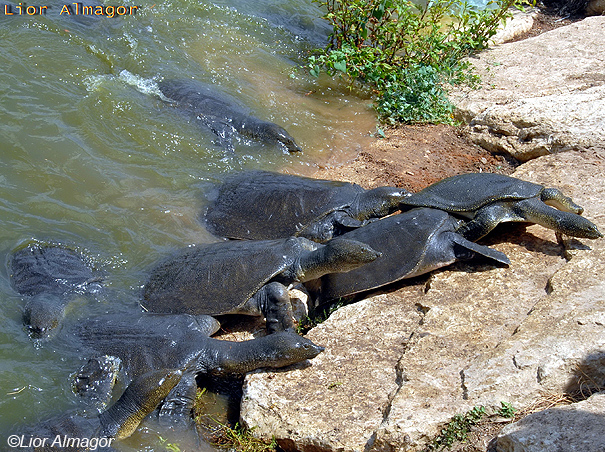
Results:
x,y
536,211
273,301
484,221
553,197
465,249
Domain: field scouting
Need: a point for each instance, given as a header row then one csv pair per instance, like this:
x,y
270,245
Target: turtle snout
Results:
x,y
315,350
366,254
284,138
306,349
577,226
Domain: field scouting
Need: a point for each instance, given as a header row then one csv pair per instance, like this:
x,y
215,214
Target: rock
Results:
x,y
579,427
541,95
520,22
339,401
397,366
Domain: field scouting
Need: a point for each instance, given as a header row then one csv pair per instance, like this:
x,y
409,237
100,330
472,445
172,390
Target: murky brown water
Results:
x,y
91,157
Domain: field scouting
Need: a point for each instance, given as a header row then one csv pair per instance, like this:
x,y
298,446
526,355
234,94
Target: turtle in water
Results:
x,y
412,243
265,205
144,342
223,114
76,432
488,199
49,275
247,277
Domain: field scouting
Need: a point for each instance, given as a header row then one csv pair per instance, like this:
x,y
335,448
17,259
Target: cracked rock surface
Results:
x,y
399,365
541,95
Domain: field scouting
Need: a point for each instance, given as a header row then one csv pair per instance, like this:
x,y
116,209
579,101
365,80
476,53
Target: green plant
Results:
x,y
406,53
315,318
507,410
239,439
457,429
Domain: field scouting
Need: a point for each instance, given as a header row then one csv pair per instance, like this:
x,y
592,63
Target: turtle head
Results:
x,y
286,348
380,201
274,132
577,226
347,254
42,314
335,256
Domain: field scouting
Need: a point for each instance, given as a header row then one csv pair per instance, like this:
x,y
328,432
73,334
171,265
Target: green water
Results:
x,y
91,157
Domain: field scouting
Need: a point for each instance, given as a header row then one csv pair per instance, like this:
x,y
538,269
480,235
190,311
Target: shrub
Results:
x,y
406,53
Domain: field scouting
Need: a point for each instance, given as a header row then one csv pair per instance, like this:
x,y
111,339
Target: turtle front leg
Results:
x,y
178,405
485,219
535,211
273,301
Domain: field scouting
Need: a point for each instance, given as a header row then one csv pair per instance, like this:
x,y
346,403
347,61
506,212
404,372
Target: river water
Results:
x,y
93,158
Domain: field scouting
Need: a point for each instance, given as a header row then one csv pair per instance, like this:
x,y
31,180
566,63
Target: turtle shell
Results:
x,y
262,204
412,243
218,278
52,268
144,341
468,192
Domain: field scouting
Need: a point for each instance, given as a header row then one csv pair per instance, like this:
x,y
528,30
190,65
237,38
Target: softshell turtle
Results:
x,y
247,277
223,114
76,432
412,243
49,274
144,342
488,199
266,205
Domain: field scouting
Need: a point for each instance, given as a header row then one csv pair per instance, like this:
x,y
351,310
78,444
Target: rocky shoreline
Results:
x,y
399,364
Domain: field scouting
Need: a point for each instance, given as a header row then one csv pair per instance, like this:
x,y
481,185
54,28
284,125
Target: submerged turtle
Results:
x,y
223,114
146,342
411,243
488,199
76,432
266,205
247,277
49,274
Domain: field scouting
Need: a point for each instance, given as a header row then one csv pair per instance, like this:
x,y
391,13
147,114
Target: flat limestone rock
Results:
x,y
398,366
579,427
541,95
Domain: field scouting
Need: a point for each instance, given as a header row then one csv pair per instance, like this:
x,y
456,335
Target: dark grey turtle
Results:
x,y
265,205
146,342
411,243
76,432
247,277
489,199
49,274
223,114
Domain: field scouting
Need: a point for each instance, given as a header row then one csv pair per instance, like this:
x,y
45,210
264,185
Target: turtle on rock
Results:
x,y
247,277
266,205
145,342
412,243
488,199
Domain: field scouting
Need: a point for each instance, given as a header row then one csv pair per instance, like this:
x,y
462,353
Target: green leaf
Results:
x,y
340,66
